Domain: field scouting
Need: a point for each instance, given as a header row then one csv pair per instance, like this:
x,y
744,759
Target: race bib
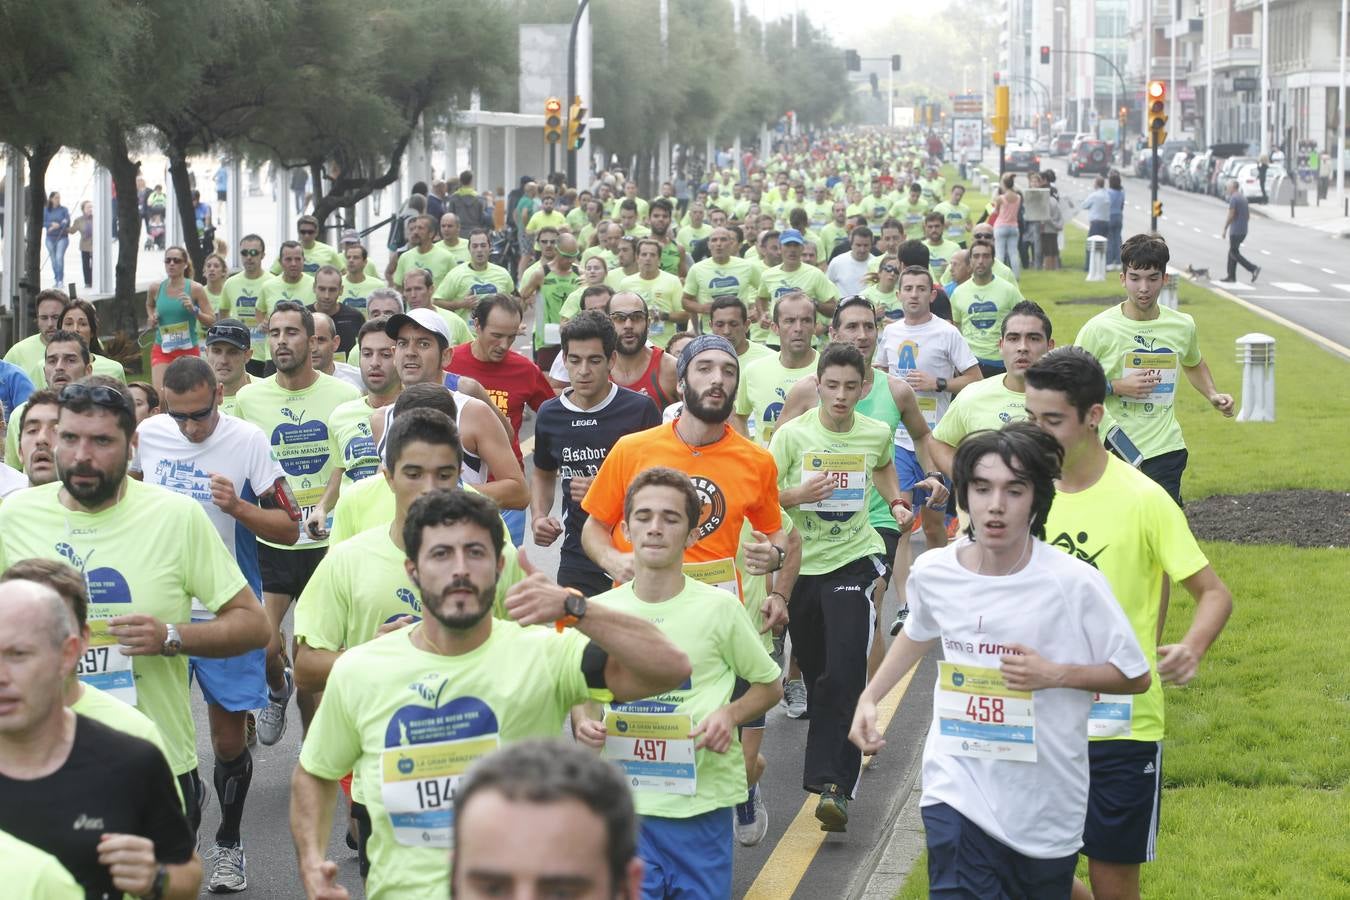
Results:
x,y
104,666
418,785
1110,716
174,337
656,326
654,751
846,471
552,334
200,613
308,498
1163,365
979,716
720,573
928,407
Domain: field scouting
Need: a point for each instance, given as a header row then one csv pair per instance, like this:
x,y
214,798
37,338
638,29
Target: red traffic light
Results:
x,y
1045,54
1157,90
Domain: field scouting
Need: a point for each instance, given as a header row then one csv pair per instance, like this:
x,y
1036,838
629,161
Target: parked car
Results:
x,y
1227,172
1042,144
1062,144
1196,178
1248,178
1021,158
1176,166
1090,156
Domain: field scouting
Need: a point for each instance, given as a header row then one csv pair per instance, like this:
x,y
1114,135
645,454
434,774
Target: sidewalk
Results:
x,y
1328,217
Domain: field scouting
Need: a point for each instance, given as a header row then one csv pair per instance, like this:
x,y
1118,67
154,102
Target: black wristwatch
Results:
x,y
574,604
782,556
158,886
942,384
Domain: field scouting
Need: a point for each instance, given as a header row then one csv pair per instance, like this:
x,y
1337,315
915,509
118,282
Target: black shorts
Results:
x,y
992,368
1124,799
589,580
1167,469
965,862
287,571
891,538
739,691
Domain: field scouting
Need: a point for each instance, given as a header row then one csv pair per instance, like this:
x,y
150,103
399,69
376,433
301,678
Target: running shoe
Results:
x,y
226,864
752,819
272,720
899,622
832,809
794,698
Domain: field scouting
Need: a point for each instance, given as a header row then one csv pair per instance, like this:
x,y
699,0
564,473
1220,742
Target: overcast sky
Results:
x,y
839,17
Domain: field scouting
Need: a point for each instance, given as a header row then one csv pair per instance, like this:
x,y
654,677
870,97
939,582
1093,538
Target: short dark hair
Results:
x,y
660,203
628,203
850,303
426,396
729,301
67,337
1073,372
60,577
893,224
550,771
1144,252
1033,455
290,245
841,354
590,324
188,372
294,306
861,231
914,253
789,295
661,476
596,290
446,507
495,301
1027,308
262,245
477,231
126,412
933,217
370,327
429,426
56,294
44,397
915,272
465,178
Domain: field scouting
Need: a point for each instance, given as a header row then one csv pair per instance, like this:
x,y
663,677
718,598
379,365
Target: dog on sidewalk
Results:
x,y
1195,274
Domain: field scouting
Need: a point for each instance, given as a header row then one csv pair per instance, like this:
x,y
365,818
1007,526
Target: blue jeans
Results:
x,y
56,249
1113,231
1005,247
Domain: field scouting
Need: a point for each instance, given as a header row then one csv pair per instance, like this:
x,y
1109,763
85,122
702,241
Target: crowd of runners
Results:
x,y
737,406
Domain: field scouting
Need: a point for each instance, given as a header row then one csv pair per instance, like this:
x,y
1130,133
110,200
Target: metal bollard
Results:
x,y
1096,251
1256,353
1168,295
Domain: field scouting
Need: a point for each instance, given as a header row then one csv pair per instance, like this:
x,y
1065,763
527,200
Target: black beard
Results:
x,y
713,415
461,622
642,343
107,487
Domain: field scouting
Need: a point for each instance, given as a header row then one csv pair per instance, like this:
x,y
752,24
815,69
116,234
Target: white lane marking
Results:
x,y
1179,222
1214,236
1297,262
1344,287
1293,287
1235,286
1196,230
1286,299
1266,252
1328,271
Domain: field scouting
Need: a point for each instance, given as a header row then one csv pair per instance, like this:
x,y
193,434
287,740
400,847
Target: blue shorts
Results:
x,y
689,858
515,525
910,473
966,863
1124,799
236,683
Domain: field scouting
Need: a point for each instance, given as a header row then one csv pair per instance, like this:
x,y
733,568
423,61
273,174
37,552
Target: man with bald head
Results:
x,y
451,242
346,321
327,342
129,834
719,274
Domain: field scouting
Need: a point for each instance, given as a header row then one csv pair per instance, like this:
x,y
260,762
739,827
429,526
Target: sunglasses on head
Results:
x,y
232,333
99,395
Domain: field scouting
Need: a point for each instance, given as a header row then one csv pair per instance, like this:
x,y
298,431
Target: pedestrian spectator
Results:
x,y
84,227
299,189
1262,168
222,178
436,199
1116,222
1053,227
1007,209
201,211
467,205
56,224
1235,229
1098,206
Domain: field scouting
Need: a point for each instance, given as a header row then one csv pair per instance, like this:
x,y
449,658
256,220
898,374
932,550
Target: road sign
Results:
x,y
968,105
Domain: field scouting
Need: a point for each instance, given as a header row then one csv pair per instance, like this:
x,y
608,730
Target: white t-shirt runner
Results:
x,y
236,449
977,758
935,347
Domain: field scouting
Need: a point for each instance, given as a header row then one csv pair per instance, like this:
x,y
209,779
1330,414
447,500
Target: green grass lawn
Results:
x,y
1258,749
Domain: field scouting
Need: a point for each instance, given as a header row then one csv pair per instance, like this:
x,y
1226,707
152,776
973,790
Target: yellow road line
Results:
x,y
1308,333
783,871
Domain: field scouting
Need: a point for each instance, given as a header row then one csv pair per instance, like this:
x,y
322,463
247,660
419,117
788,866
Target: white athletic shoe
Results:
x,y
794,698
227,869
752,819
272,720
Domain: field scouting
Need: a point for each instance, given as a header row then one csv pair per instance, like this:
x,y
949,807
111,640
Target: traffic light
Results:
x,y
1123,115
1000,121
1157,113
852,61
576,124
552,120
895,62
1045,54
1157,209
876,86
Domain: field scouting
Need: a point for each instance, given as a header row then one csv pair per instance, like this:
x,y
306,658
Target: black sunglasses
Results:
x,y
252,251
192,416
99,395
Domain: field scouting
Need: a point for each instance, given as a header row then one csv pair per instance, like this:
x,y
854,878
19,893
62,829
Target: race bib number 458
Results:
x,y
979,716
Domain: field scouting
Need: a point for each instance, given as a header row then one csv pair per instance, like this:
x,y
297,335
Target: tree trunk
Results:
x,y
34,234
187,213
124,172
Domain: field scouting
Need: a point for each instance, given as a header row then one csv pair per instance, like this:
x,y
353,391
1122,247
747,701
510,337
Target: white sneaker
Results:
x,y
794,698
227,869
272,720
752,819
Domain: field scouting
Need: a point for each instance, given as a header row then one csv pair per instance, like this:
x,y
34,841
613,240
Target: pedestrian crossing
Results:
x,y
1285,290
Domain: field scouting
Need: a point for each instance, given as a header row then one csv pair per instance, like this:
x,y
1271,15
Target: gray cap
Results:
x,y
700,344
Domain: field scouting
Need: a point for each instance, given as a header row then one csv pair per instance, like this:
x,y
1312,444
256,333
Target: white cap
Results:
x,y
423,317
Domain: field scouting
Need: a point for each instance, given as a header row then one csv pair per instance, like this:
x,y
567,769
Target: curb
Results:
x,y
1324,342
887,867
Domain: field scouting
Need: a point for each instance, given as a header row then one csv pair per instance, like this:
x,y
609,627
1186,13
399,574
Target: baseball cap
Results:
x,y
229,331
790,236
349,236
426,319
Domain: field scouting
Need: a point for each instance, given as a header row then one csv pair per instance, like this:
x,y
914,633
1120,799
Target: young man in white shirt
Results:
x,y
1028,634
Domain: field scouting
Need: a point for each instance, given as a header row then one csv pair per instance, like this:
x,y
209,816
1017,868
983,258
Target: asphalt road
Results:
x,y
1305,274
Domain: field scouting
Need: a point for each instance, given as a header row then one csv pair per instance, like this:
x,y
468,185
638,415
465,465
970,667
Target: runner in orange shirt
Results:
x,y
737,481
